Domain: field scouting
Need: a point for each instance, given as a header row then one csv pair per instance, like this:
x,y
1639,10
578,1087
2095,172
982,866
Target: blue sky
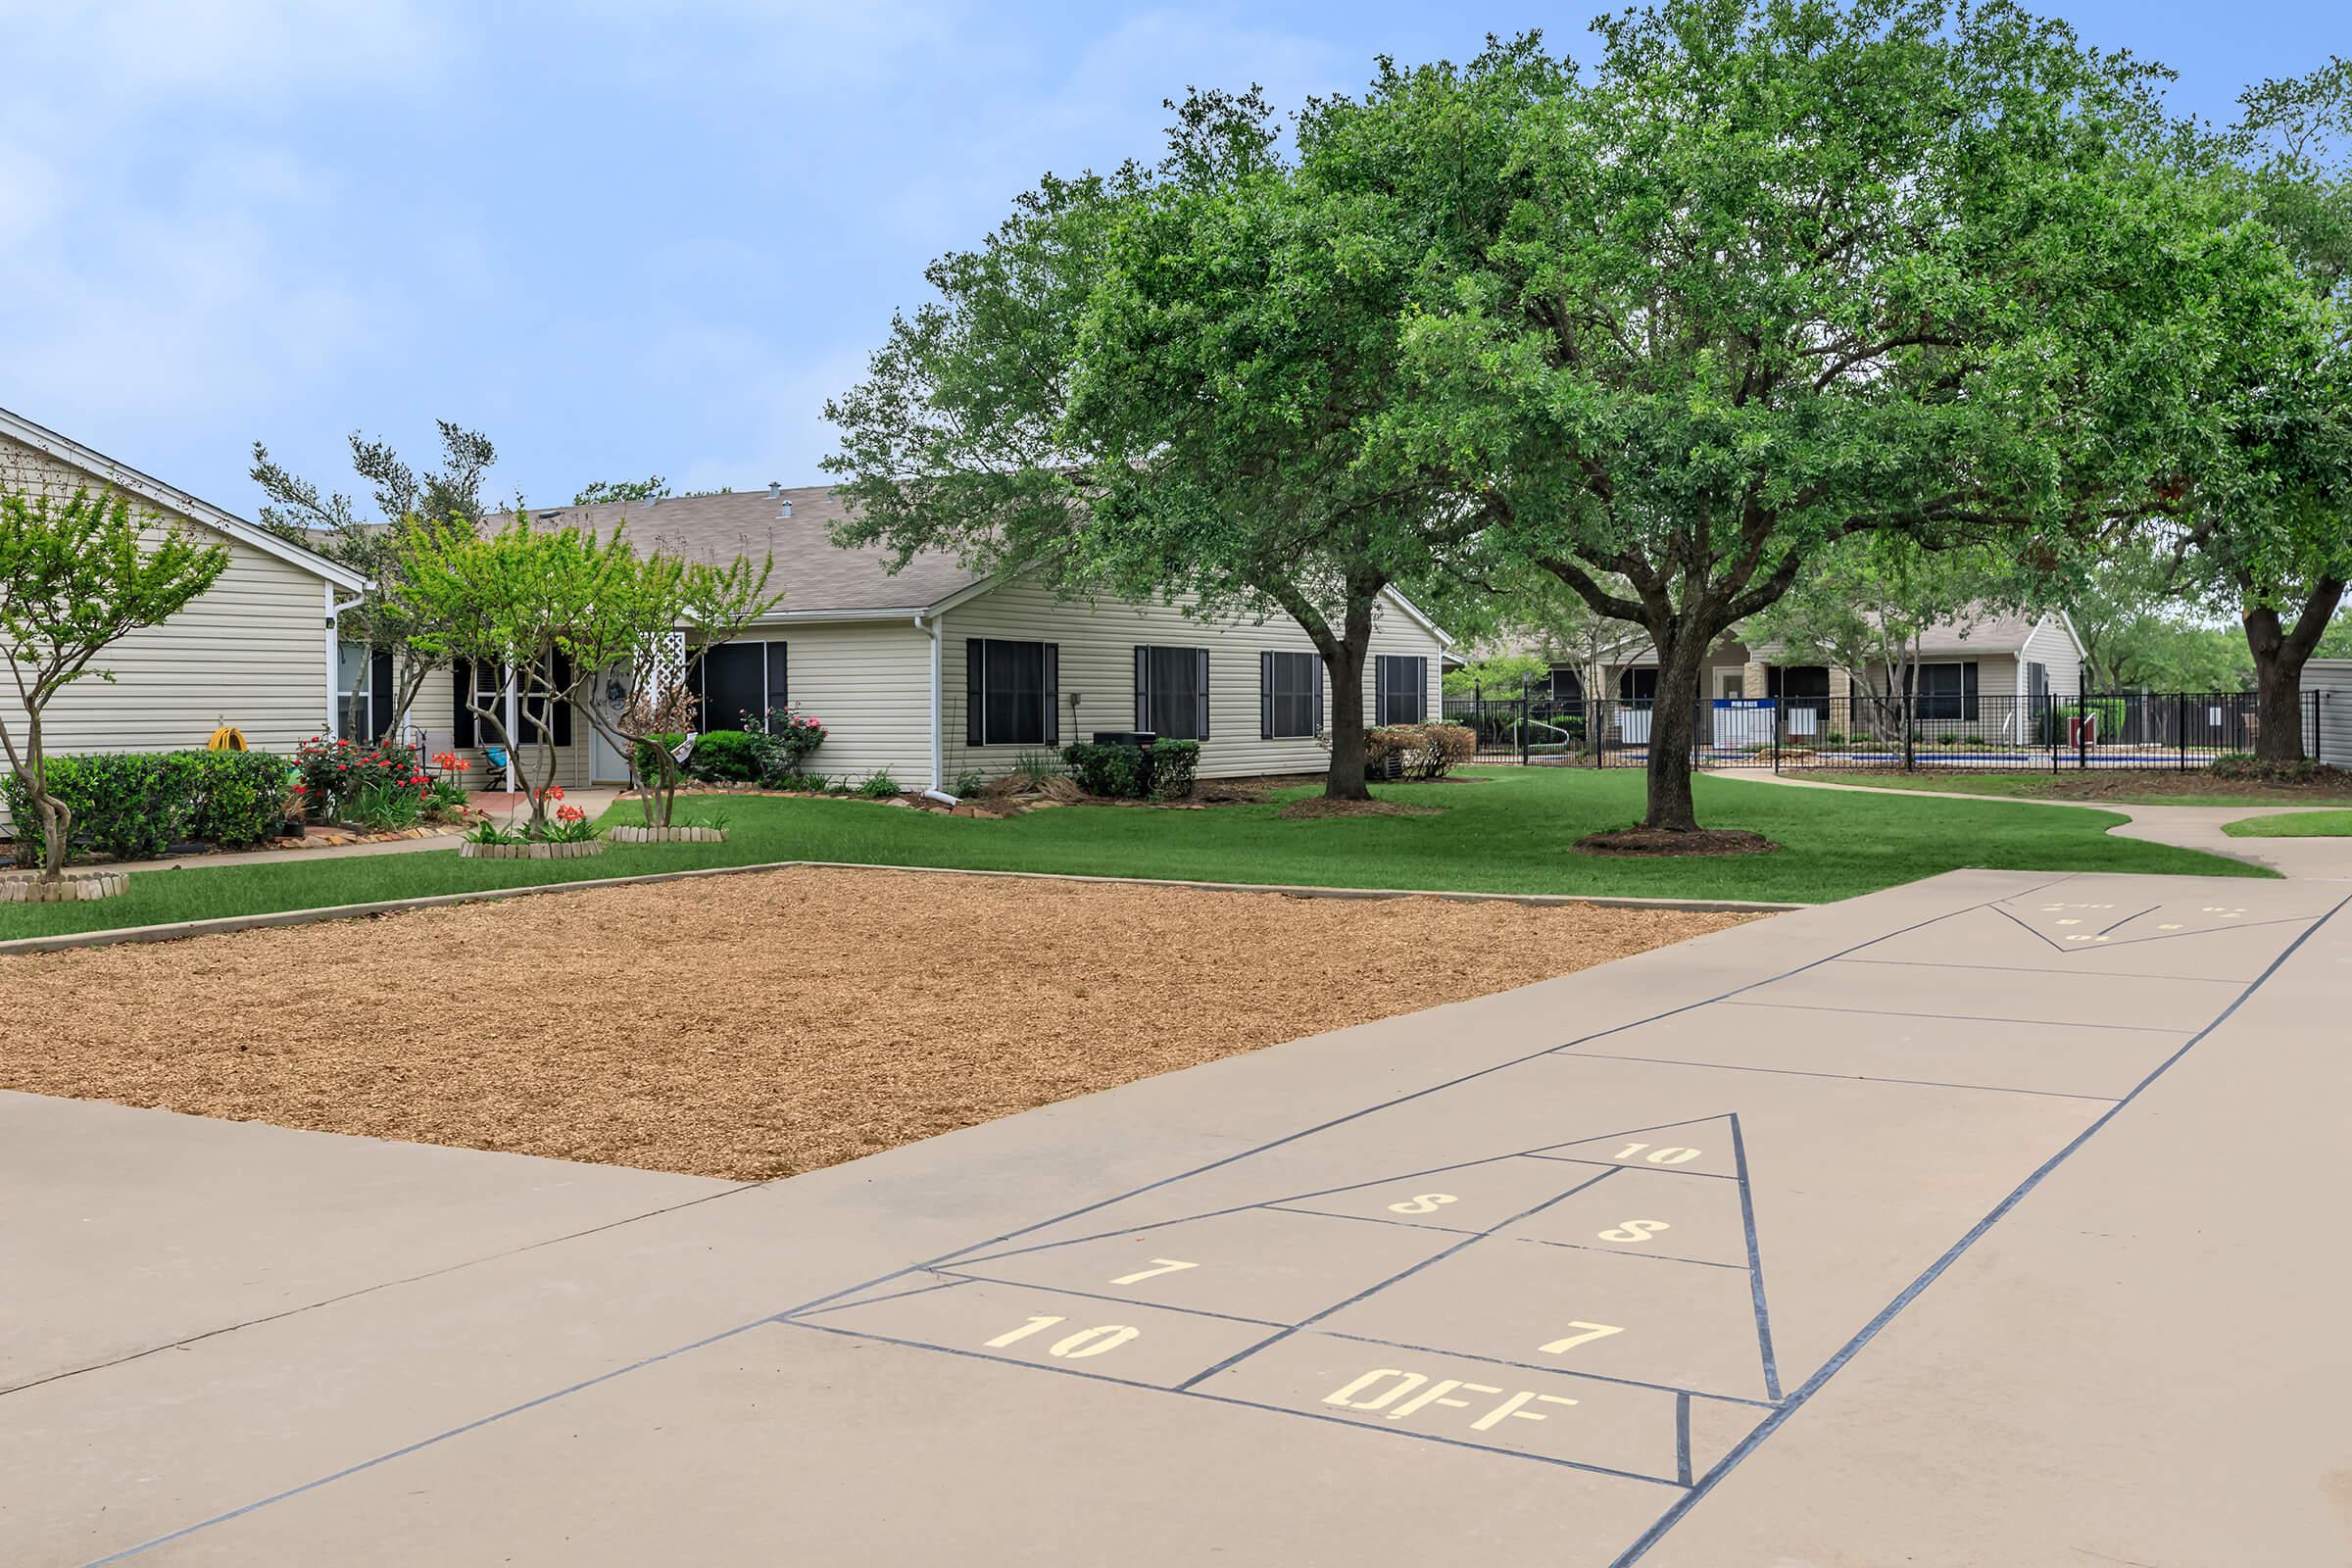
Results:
x,y
621,238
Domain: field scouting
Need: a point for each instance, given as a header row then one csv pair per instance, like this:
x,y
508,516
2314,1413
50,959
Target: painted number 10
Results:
x,y
1070,1348
1659,1156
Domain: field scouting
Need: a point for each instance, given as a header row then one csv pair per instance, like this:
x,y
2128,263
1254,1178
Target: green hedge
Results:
x,y
1161,771
136,806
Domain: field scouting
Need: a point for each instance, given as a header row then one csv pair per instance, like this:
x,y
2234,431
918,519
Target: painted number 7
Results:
x,y
1592,1331
1160,1265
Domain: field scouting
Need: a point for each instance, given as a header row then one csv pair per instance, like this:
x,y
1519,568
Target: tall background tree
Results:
x,y
1162,383
2269,533
406,500
76,577
1776,273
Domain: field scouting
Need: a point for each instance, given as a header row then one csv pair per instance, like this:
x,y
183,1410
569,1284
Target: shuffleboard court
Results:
x,y
1570,1260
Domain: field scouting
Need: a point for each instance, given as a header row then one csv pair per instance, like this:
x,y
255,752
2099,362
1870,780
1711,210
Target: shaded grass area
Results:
x,y
2293,825
1511,832
2118,786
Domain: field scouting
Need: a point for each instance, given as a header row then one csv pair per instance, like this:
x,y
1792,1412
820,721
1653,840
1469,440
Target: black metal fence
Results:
x,y
1943,731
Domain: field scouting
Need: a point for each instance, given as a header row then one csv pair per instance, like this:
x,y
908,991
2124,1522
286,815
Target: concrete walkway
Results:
x,y
1984,1220
2187,827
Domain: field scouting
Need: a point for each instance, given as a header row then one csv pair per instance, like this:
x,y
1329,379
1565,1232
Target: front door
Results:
x,y
605,764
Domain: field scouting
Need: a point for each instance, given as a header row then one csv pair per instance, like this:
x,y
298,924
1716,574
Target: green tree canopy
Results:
x,y
76,577
1164,382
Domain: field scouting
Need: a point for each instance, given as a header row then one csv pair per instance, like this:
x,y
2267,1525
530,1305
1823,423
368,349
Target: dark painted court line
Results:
x,y
1371,1219
1620,1251
1845,1077
1397,1278
1097,1295
1969,1017
1556,1371
895,1295
1756,1263
1935,1270
1012,1234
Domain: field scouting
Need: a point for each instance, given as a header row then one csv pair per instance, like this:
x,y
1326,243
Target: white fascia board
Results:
x,y
75,455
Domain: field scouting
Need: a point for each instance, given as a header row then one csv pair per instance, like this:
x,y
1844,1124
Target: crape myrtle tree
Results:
x,y
1777,272
326,522
514,600
660,616
76,577
1162,382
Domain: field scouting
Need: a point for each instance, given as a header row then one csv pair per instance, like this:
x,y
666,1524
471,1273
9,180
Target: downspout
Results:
x,y
938,756
334,650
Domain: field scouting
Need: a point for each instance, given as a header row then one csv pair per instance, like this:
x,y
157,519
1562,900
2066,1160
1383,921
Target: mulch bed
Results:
x,y
1323,806
1652,841
755,1025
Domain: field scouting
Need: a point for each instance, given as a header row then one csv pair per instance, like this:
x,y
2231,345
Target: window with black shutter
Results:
x,y
742,683
1291,700
1400,689
1171,692
1009,692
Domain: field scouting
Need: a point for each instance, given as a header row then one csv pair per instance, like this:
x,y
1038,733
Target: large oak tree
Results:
x,y
1777,272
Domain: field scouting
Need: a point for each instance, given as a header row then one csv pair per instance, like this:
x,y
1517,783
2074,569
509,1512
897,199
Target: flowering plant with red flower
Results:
x,y
335,773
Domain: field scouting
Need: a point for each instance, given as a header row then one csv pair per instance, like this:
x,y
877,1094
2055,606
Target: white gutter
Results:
x,y
334,652
937,756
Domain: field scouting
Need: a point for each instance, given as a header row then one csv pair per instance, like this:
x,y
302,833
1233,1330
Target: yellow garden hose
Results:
x,y
228,738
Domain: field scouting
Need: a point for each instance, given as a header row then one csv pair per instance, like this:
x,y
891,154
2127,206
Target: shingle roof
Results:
x,y
814,573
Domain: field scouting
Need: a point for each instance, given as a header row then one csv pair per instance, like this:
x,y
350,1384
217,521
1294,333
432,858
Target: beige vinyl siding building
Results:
x,y
879,652
255,651
1096,644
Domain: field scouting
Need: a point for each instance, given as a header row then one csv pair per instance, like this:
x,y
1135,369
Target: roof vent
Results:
x,y
784,510
774,489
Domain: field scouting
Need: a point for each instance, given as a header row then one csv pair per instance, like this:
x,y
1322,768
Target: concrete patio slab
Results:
x,y
1688,1259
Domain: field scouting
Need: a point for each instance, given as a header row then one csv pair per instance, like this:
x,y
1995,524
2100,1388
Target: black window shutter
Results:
x,y
1968,691
1052,694
1419,668
461,676
1380,690
971,692
1142,687
1318,719
1203,655
379,695
563,679
1265,697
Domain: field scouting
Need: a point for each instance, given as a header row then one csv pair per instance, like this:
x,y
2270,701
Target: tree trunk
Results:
x,y
2280,654
56,818
1674,729
1344,673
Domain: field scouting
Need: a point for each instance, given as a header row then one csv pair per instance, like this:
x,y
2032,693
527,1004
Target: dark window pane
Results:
x,y
734,685
1291,684
1172,693
1404,689
779,694
1012,694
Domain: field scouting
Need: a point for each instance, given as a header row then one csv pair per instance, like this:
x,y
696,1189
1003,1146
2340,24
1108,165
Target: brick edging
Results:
x,y
177,930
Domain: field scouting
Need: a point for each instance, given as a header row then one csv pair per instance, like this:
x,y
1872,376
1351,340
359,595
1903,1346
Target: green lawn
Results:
x,y
2119,787
2293,825
1507,832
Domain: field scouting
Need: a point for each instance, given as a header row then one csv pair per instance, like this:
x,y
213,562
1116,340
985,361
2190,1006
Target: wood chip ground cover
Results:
x,y
755,1026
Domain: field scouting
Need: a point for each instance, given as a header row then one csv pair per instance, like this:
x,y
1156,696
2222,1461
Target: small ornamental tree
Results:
x,y
75,577
663,618
514,600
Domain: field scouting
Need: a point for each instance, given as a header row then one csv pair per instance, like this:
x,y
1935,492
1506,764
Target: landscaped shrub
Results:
x,y
1169,769
970,782
1418,751
386,807
878,785
1114,773
725,757
2246,767
2107,711
334,773
772,759
1161,771
136,806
